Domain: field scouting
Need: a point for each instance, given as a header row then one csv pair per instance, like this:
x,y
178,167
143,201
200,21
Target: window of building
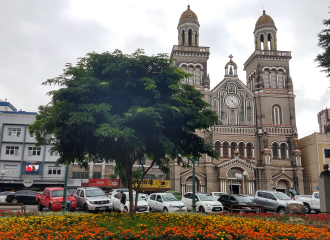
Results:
x,y
266,80
10,168
82,175
54,153
12,150
100,160
190,36
183,37
249,150
233,148
277,114
54,170
275,151
31,134
217,147
283,152
34,151
327,153
96,175
280,80
241,150
14,132
225,149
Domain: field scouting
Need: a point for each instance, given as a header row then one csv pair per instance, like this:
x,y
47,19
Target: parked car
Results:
x,y
204,202
113,192
144,196
175,194
52,199
22,196
92,199
216,195
311,202
274,201
72,190
142,205
227,200
3,196
165,202
251,196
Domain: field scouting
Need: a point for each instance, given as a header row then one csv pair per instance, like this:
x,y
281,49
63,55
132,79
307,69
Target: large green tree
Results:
x,y
123,108
323,59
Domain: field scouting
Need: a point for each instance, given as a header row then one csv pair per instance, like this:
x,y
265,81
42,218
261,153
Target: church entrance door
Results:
x,y
235,188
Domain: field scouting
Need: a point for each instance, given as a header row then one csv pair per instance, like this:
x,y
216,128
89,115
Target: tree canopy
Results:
x,y
122,108
323,59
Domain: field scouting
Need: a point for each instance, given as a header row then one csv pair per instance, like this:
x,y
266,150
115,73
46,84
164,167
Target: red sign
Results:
x,y
104,183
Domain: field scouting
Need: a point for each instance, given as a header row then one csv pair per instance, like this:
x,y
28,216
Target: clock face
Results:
x,y
232,101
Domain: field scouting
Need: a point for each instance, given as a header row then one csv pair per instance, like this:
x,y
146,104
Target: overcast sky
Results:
x,y
37,38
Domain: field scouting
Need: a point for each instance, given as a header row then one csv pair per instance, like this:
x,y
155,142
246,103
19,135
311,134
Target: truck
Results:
x,y
52,198
311,202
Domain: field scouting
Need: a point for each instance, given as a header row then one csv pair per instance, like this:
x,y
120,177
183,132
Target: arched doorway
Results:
x,y
189,184
235,184
282,186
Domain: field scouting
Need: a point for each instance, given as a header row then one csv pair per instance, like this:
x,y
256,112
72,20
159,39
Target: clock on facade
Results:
x,y
232,101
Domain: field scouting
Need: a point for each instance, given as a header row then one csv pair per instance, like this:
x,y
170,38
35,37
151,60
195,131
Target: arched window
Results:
x,y
261,41
280,79
241,150
183,37
273,79
189,184
190,37
266,79
191,71
217,147
275,151
269,38
249,150
277,115
283,152
233,147
198,76
225,147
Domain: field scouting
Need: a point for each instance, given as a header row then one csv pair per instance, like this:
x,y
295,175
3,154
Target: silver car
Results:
x,y
274,201
92,199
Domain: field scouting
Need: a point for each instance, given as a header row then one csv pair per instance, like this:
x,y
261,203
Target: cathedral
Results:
x,y
257,141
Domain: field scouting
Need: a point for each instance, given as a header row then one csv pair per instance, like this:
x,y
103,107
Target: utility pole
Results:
x,y
65,188
193,161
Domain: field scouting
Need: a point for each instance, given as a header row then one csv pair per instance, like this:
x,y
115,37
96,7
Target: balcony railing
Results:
x,y
234,130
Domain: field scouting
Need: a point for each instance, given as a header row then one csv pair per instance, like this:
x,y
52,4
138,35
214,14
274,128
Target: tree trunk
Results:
x,y
130,188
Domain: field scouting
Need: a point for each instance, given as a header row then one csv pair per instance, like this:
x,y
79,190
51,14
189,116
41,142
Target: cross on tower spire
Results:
x,y
230,56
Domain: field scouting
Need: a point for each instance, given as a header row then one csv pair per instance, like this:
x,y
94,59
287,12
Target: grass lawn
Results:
x,y
155,226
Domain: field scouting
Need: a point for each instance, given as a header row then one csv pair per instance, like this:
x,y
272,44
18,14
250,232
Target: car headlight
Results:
x,y
73,201
92,202
208,205
57,203
171,206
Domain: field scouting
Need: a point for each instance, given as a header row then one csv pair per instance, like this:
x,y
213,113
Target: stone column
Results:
x,y
265,43
210,178
186,38
324,185
258,44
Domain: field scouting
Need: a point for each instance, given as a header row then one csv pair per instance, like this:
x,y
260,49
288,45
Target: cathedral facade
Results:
x,y
257,140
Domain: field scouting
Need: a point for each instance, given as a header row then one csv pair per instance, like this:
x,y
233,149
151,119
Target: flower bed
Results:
x,y
151,226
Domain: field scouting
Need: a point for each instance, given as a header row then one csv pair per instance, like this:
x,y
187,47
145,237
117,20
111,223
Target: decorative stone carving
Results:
x,y
265,140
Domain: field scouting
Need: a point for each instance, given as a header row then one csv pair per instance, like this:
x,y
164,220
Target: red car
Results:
x,y
52,198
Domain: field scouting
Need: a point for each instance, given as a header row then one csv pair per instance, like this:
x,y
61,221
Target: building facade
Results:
x,y
19,156
323,119
258,116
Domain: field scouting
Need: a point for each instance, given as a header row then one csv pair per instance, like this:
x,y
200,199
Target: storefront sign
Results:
x,y
74,182
84,182
150,183
104,182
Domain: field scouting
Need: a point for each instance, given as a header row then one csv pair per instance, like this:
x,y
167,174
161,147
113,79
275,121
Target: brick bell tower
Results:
x,y
268,76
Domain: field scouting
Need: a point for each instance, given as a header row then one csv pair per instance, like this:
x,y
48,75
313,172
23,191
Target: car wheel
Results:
x,y
14,200
317,211
40,207
165,210
308,208
85,208
202,209
150,209
281,210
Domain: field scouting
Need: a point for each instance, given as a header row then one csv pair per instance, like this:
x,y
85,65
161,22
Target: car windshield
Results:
x,y
169,197
134,196
205,197
217,194
244,199
72,190
58,193
94,193
282,196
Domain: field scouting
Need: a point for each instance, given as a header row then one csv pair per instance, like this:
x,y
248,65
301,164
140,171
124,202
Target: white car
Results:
x,y
144,196
142,205
3,196
217,195
311,202
113,192
204,203
166,202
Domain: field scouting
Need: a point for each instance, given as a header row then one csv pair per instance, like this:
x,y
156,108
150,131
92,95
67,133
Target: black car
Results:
x,y
22,196
227,200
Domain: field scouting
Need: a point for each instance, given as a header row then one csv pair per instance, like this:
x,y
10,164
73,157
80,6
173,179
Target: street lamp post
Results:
x,y
193,161
65,188
3,172
245,173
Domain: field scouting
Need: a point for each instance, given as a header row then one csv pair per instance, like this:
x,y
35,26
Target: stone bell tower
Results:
x,y
189,55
